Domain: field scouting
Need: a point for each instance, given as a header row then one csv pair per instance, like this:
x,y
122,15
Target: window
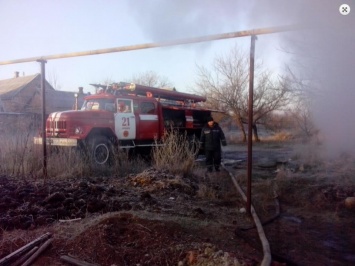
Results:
x,y
124,106
147,108
97,104
110,107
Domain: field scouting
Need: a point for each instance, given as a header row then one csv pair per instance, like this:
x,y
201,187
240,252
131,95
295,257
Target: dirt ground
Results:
x,y
155,218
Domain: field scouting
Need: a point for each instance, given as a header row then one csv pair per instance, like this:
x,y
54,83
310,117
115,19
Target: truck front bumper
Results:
x,y
57,141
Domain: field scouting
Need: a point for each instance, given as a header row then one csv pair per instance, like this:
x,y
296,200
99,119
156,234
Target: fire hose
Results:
x,y
264,242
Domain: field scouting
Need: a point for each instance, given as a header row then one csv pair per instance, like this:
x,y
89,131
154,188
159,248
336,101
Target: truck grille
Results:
x,y
56,126
60,124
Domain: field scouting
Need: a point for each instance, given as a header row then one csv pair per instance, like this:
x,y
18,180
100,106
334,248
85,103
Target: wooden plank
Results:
x,y
38,252
77,262
25,257
19,252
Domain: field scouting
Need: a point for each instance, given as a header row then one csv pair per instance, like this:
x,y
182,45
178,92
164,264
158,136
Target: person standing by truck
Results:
x,y
212,136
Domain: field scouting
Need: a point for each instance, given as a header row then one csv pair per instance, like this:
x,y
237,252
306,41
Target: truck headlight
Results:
x,y
78,131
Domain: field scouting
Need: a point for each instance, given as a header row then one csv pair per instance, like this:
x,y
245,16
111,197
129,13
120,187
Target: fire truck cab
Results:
x,y
125,116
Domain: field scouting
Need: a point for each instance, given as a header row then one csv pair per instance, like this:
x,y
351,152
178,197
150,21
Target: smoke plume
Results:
x,y
322,54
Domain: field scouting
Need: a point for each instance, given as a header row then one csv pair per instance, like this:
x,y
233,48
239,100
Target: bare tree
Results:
x,y
301,108
227,87
302,115
152,79
53,80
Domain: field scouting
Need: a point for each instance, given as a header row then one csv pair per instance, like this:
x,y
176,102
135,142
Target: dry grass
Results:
x,y
309,153
205,191
74,163
175,156
278,137
215,185
318,187
20,158
282,136
124,164
308,181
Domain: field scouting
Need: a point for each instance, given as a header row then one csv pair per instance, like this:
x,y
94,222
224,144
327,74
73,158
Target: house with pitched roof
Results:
x,y
21,101
23,95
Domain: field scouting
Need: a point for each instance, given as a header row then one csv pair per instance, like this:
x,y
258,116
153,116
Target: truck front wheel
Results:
x,y
101,150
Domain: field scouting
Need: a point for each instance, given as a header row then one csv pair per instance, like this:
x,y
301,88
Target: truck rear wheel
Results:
x,y
101,150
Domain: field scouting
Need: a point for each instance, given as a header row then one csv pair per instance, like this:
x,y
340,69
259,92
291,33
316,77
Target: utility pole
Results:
x,y
250,121
44,139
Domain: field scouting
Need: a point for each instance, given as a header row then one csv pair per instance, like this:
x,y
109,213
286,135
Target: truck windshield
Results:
x,y
99,104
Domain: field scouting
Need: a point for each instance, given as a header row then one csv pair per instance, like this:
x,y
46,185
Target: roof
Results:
x,y
10,87
55,100
62,100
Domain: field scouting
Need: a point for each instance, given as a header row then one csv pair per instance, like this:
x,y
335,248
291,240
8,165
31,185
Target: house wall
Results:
x,y
20,103
21,108
29,99
11,123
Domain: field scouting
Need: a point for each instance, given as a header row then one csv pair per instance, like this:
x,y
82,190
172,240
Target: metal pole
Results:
x,y
44,139
162,44
76,101
250,122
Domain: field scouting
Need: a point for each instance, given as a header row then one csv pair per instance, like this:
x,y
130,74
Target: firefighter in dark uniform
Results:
x,y
212,137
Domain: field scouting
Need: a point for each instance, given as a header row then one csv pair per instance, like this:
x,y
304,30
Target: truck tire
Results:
x,y
101,151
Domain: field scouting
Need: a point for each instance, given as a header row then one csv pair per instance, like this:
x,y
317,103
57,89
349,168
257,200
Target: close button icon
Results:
x,y
344,9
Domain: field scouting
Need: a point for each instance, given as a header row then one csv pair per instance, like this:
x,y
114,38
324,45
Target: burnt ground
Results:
x,y
155,218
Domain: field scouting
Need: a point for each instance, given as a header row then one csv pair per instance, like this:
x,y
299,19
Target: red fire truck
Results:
x,y
125,116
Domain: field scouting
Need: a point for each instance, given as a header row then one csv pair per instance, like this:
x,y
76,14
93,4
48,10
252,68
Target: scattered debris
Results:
x,y
350,203
23,251
25,257
35,255
75,261
69,220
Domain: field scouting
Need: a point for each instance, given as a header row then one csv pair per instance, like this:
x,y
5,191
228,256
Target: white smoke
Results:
x,y
323,54
169,20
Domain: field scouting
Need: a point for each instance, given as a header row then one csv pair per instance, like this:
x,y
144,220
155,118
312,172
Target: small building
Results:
x,y
21,102
23,95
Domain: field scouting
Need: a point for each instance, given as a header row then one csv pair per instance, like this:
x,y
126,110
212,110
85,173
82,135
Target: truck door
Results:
x,y
148,121
125,121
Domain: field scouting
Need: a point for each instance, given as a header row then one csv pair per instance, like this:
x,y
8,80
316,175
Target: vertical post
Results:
x,y
44,139
76,101
250,122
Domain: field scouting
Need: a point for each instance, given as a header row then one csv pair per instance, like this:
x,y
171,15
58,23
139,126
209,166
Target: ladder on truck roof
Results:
x,y
158,93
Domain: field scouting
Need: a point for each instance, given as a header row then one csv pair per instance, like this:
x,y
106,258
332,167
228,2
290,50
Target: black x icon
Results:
x,y
344,9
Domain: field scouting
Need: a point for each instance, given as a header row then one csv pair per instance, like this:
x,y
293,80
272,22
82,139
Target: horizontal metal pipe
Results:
x,y
160,44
